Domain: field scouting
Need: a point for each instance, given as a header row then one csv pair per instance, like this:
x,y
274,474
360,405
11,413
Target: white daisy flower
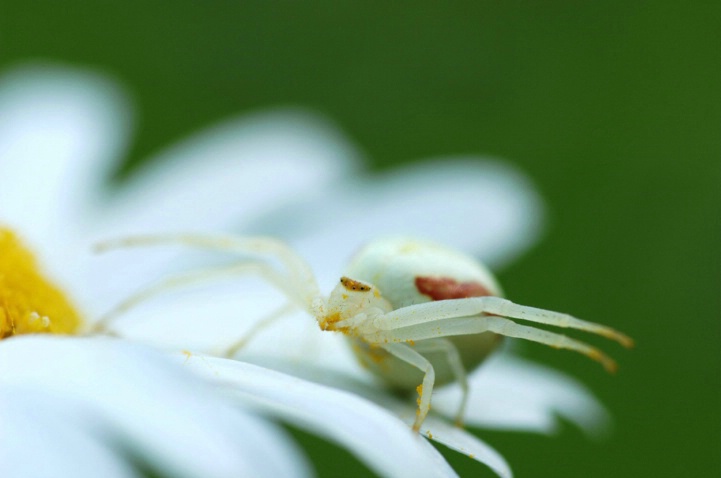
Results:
x,y
285,174
72,406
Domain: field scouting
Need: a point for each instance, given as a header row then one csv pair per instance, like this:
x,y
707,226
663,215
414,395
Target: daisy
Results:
x,y
71,406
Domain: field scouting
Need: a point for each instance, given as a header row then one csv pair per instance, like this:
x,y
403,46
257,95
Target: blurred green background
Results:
x,y
613,108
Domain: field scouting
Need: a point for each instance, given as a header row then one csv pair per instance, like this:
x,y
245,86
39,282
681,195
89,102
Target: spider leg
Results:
x,y
454,308
296,266
498,325
261,269
278,313
454,361
425,389
506,308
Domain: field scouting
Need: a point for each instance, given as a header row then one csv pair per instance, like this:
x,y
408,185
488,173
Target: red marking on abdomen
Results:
x,y
442,288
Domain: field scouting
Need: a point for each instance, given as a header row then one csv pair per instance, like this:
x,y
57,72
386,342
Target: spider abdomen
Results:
x,y
408,272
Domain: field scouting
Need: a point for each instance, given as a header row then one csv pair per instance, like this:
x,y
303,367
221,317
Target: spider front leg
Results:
x,y
443,309
506,308
475,325
298,271
425,389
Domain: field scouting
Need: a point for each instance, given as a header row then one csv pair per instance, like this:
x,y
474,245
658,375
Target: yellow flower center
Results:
x,y
29,302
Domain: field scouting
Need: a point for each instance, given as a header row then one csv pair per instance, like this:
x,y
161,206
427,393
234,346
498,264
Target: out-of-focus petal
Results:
x,y
380,439
153,409
231,173
60,130
44,436
484,207
514,394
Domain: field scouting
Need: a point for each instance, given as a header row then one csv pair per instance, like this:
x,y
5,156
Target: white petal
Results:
x,y
464,442
204,318
156,410
511,393
59,130
232,172
436,428
381,440
484,207
43,435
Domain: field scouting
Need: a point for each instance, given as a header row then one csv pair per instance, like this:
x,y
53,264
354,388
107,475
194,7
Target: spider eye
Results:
x,y
354,285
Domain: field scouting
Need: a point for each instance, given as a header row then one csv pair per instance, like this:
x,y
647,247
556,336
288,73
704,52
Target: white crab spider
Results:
x,y
416,314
